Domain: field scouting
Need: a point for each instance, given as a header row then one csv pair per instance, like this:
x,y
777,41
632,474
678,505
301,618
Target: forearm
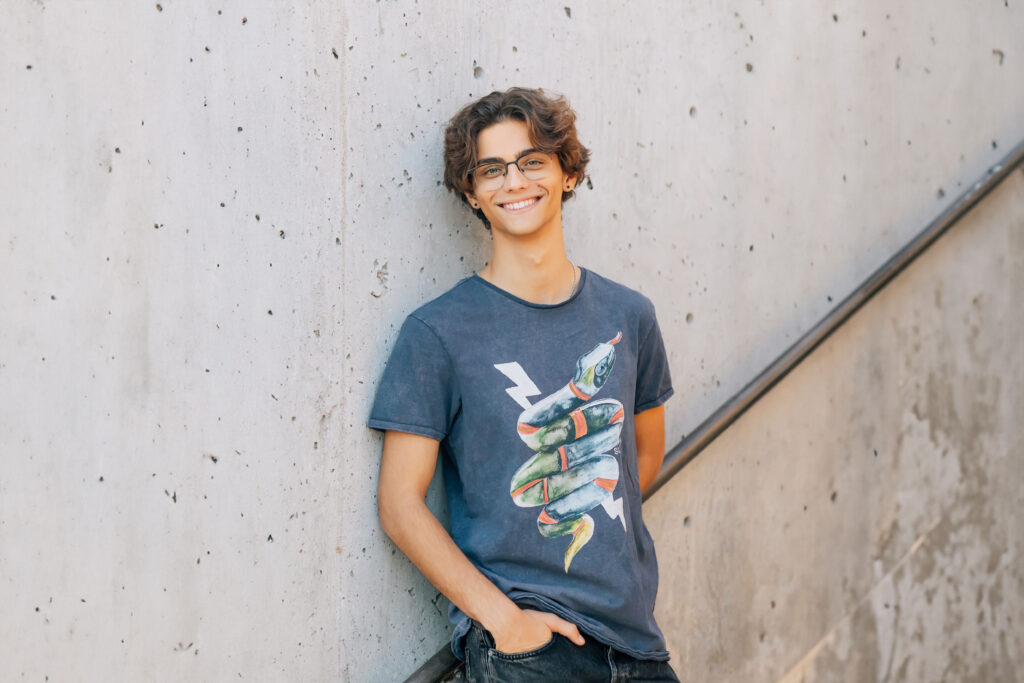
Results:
x,y
407,467
418,534
650,444
649,464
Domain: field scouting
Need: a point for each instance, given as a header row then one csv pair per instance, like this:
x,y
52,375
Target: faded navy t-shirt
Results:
x,y
533,405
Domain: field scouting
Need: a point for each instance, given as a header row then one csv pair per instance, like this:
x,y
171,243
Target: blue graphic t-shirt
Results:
x,y
533,405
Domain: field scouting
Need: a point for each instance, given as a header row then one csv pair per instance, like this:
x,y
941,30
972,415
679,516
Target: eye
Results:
x,y
492,171
534,162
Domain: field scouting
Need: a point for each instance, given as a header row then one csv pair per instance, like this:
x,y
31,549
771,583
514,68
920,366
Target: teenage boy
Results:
x,y
542,384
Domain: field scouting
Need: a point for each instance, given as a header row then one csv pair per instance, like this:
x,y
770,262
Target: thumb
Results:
x,y
566,628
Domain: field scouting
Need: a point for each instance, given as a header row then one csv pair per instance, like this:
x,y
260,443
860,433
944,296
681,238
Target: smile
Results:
x,y
520,205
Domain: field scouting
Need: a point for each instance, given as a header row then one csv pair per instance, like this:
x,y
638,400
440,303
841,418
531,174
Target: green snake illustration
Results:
x,y
572,471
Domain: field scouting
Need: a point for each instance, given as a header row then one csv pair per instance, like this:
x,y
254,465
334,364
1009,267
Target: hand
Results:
x,y
531,629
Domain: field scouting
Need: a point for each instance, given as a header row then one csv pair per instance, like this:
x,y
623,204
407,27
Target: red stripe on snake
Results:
x,y
579,421
576,390
519,491
527,428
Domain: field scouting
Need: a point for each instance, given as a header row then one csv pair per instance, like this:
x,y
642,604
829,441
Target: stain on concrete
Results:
x,y
382,279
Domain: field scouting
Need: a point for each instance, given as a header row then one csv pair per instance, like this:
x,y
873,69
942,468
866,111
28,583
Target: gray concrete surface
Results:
x,y
214,218
861,523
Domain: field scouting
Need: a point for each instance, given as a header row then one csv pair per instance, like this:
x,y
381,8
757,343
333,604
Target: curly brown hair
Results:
x,y
550,122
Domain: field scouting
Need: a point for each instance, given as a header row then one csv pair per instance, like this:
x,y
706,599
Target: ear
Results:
x,y
569,183
471,198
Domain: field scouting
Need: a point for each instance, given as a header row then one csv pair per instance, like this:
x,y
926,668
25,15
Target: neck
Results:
x,y
535,269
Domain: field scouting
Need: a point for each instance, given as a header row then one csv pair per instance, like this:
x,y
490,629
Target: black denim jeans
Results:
x,y
559,660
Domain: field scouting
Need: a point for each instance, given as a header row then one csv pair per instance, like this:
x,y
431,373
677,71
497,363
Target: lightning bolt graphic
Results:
x,y
614,509
524,386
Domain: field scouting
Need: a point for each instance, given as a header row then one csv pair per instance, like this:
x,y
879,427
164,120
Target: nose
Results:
x,y
514,178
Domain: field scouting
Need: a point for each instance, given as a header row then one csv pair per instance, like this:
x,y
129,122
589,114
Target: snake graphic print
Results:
x,y
572,471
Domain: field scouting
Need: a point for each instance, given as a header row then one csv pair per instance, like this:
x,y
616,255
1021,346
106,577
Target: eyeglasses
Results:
x,y
490,175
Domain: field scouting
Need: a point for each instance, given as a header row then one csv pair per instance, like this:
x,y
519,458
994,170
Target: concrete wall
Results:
x,y
862,522
214,219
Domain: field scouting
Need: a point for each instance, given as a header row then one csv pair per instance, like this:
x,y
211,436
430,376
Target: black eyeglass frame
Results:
x,y
494,162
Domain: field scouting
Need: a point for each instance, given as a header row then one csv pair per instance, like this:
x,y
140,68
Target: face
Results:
x,y
519,206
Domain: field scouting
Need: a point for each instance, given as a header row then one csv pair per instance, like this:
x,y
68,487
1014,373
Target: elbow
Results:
x,y
385,513
390,511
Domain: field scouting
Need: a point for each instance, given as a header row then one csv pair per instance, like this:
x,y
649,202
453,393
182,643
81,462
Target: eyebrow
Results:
x,y
499,160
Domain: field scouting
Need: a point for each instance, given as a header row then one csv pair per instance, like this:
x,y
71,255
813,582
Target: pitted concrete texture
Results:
x,y
214,218
861,523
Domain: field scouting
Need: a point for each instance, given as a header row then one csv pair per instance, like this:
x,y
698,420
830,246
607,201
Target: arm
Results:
x,y
406,469
650,444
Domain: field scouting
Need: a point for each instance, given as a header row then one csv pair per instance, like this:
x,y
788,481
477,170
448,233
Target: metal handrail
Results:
x,y
443,664
687,449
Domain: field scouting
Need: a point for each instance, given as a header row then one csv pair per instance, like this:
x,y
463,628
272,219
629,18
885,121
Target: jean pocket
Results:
x,y
517,656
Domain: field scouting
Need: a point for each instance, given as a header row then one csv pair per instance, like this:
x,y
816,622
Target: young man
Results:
x,y
542,384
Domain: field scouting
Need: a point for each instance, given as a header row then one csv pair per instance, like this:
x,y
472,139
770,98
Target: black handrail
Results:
x,y
443,664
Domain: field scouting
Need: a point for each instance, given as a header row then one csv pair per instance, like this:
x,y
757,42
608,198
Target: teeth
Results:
x,y
519,205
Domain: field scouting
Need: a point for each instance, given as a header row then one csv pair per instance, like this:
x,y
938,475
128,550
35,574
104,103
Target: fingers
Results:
x,y
566,628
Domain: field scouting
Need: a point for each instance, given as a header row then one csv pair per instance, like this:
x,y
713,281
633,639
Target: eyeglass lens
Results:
x,y
534,166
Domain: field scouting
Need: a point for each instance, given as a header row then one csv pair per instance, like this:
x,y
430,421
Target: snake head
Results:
x,y
593,367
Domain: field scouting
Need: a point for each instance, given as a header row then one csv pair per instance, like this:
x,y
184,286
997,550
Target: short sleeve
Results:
x,y
418,392
653,379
